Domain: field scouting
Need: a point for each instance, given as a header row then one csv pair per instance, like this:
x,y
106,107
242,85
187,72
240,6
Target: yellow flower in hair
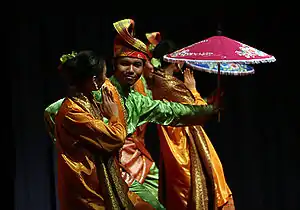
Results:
x,y
66,57
156,62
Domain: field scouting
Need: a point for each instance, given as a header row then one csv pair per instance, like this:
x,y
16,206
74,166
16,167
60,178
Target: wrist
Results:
x,y
113,118
193,90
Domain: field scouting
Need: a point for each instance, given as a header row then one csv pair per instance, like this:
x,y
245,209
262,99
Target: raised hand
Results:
x,y
215,100
189,79
108,107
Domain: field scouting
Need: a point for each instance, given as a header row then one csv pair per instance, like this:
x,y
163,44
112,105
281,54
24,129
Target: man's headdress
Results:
x,y
125,44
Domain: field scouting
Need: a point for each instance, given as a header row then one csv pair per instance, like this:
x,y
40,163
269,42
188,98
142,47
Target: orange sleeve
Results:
x,y
198,99
92,132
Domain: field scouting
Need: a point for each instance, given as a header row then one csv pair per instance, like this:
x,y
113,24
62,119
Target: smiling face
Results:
x,y
128,70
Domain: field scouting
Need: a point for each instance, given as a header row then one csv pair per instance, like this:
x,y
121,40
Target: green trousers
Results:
x,y
148,191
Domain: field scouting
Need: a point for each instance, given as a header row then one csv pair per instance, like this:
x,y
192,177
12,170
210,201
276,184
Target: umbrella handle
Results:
x,y
219,90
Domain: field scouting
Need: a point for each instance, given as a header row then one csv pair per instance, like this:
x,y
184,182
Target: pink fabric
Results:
x,y
219,48
134,158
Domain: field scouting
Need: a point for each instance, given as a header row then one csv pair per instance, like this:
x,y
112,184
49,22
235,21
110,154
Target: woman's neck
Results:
x,y
74,90
169,71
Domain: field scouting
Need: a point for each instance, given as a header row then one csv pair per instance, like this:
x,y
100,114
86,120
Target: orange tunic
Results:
x,y
88,175
191,173
223,191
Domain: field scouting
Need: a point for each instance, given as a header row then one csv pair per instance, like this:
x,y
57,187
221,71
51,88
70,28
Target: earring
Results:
x,y
95,83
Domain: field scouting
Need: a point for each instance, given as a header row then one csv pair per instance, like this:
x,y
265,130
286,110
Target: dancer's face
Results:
x,y
128,70
148,69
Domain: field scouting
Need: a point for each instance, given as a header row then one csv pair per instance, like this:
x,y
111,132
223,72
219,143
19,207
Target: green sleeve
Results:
x,y
142,109
49,117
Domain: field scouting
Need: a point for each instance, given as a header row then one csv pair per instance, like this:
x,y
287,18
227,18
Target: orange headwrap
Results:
x,y
154,38
125,44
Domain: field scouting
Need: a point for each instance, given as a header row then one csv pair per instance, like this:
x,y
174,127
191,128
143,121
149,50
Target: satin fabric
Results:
x,y
148,191
136,109
125,45
88,175
223,191
134,156
138,169
177,187
49,118
139,109
153,38
142,109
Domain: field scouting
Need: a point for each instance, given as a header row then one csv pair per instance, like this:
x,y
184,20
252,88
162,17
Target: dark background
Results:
x,y
257,139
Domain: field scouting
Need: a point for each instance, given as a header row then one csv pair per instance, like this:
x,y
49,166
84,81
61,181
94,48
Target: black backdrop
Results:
x,y
257,139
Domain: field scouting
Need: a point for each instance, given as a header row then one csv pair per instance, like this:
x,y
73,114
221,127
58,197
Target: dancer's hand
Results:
x,y
108,107
215,100
189,79
213,96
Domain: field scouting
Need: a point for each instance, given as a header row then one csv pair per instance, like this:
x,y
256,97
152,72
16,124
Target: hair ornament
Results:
x,y
66,57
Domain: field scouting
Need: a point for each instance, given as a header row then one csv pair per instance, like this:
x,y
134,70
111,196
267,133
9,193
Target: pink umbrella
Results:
x,y
218,49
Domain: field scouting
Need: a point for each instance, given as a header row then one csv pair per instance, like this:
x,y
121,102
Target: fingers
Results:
x,y
107,96
104,95
185,77
190,73
187,73
101,108
110,95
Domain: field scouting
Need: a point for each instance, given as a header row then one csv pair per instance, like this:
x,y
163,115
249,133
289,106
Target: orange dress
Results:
x,y
88,174
191,174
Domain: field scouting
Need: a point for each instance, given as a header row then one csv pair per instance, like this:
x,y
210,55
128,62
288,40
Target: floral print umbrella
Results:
x,y
217,50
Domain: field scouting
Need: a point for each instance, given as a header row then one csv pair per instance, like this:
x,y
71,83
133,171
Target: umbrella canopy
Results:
x,y
215,51
219,49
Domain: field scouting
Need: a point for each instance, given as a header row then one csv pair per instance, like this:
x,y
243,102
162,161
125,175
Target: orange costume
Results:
x,y
137,167
88,174
191,174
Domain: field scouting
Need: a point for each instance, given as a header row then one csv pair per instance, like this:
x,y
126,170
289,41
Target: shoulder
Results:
x,y
51,111
68,107
54,107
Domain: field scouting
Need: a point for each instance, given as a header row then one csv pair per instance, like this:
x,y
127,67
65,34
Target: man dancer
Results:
x,y
137,109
